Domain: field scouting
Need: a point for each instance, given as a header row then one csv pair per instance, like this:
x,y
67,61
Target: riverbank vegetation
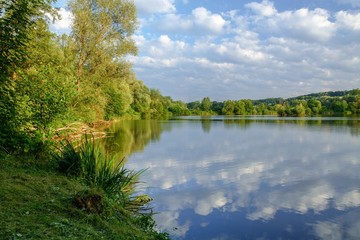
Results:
x,y
342,103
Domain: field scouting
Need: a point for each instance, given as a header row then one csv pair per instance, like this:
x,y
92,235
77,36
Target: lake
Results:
x,y
248,177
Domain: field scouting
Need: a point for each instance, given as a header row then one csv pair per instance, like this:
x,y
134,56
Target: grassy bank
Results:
x,y
37,202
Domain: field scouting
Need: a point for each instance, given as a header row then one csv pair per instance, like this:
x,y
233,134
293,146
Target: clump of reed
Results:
x,y
89,162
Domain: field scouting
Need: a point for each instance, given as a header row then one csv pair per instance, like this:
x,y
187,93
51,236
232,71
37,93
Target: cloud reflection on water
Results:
x,y
260,170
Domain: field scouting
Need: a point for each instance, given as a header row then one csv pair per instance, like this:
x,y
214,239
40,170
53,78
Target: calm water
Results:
x,y
248,178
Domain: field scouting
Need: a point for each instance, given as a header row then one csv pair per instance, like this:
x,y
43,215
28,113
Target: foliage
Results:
x,y
327,103
102,34
16,20
119,98
20,112
97,169
206,104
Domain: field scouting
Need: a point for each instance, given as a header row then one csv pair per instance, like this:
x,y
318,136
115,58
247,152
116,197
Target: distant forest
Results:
x,y
324,103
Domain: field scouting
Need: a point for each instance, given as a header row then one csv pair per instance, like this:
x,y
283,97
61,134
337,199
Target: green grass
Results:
x,y
37,202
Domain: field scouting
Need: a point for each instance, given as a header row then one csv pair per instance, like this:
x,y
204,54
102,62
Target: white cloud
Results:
x,y
205,19
164,48
155,6
348,20
265,8
200,21
65,21
139,40
174,22
304,24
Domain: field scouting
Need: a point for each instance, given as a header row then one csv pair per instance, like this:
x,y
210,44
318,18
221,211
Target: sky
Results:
x,y
233,49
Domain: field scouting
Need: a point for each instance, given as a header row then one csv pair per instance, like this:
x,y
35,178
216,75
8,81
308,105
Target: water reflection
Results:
x,y
127,137
253,178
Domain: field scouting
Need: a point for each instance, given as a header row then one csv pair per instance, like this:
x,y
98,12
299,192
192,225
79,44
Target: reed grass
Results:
x,y
96,168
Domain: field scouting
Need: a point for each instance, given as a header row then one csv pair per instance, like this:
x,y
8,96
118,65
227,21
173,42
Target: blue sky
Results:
x,y
228,49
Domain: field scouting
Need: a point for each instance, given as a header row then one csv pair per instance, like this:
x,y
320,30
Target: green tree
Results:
x,y
300,110
206,104
19,112
217,107
339,106
102,30
119,98
157,108
280,110
239,107
261,108
315,106
16,20
356,105
194,105
179,108
141,99
249,107
228,108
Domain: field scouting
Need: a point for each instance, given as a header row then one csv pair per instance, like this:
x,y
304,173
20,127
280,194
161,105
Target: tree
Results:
x,y
194,105
178,108
356,105
16,20
45,79
118,101
300,110
315,106
248,106
239,108
217,107
228,108
141,98
206,104
102,30
280,110
157,108
340,106
20,122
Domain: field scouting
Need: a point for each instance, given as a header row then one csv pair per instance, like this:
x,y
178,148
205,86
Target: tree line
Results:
x,y
325,103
